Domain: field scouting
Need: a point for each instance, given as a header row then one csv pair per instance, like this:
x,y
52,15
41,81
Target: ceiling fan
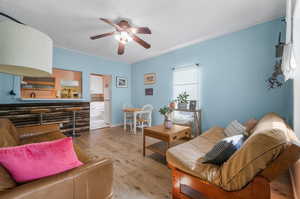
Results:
x,y
125,33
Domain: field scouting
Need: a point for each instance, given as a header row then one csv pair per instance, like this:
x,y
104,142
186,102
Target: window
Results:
x,y
186,79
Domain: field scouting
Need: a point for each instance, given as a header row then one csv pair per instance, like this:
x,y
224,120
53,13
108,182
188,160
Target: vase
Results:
x,y
172,105
168,124
182,106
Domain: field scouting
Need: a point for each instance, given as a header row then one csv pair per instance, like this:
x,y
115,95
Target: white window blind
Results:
x,y
186,79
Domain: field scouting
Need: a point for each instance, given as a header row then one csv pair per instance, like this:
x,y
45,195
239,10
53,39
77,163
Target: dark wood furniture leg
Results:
x,y
259,187
200,121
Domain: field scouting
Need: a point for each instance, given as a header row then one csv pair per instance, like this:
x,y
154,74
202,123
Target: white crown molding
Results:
x,y
90,54
202,39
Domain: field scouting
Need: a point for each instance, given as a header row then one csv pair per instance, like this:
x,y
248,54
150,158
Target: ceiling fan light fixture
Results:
x,y
125,33
123,37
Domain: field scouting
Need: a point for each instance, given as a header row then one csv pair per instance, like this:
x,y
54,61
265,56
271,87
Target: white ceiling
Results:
x,y
174,23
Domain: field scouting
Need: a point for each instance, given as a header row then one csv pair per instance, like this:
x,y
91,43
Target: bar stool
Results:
x,y
73,110
40,112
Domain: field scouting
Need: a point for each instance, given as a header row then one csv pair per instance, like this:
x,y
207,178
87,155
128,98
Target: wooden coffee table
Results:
x,y
168,137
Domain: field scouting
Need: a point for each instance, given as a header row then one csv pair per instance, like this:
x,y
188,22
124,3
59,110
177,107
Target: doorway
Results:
x,y
100,105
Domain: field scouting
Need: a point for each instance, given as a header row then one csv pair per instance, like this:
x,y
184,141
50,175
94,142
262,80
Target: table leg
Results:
x,y
144,145
200,121
134,122
124,123
196,120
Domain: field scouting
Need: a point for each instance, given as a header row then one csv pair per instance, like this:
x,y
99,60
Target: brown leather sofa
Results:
x,y
271,149
93,180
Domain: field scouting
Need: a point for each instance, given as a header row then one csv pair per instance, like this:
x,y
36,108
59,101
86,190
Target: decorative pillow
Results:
x,y
250,124
224,149
38,160
234,128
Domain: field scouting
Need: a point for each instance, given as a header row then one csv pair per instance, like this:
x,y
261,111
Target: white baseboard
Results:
x,y
116,125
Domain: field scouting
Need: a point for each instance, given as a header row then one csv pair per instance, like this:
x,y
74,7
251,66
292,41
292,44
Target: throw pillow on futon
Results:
x,y
235,128
224,149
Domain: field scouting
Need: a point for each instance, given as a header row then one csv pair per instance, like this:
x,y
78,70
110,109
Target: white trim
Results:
x,y
115,125
208,37
90,54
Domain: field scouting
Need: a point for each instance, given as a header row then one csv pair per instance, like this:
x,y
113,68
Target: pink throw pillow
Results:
x,y
33,161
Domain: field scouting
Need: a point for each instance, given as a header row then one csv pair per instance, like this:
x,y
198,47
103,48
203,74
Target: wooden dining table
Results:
x,y
134,112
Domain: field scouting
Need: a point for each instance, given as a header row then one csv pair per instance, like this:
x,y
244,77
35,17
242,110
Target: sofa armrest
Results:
x,y
90,181
30,131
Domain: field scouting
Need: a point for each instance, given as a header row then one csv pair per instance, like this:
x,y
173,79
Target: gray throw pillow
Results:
x,y
224,149
234,128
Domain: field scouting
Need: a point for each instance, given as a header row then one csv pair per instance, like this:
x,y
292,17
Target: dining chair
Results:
x,y
144,118
128,116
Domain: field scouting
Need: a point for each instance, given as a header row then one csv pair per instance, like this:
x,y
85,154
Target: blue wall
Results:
x,y
71,60
234,68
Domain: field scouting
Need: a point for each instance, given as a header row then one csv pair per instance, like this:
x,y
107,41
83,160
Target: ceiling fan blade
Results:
x,y
121,48
102,35
142,30
112,24
139,40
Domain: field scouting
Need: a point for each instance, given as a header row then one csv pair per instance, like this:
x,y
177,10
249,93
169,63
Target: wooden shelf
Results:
x,y
40,83
39,89
162,147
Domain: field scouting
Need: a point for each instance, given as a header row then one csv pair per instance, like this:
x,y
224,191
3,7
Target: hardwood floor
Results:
x,y
136,177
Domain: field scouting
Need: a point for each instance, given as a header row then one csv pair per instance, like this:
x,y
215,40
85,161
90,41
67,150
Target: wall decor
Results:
x,y
122,82
149,91
150,78
193,105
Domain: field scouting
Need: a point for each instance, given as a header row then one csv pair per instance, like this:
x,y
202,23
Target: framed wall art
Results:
x,y
150,78
149,91
122,82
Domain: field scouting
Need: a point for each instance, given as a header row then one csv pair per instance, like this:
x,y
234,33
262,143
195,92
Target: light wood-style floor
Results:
x,y
136,177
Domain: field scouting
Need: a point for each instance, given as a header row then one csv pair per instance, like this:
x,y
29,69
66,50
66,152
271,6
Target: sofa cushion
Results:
x,y
269,138
6,182
8,125
6,137
189,156
224,149
268,122
38,160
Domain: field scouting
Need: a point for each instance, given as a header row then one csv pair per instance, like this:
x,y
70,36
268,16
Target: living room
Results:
x,y
106,99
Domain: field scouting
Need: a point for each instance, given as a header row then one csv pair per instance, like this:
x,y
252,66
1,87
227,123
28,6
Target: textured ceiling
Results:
x,y
174,23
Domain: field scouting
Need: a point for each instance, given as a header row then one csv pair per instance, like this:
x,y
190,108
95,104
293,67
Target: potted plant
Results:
x,y
166,112
182,100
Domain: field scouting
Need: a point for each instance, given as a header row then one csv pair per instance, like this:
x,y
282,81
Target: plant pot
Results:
x,y
182,106
172,105
168,124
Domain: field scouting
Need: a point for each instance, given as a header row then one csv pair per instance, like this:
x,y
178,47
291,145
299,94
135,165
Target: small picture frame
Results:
x,y
121,82
149,91
193,105
150,78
